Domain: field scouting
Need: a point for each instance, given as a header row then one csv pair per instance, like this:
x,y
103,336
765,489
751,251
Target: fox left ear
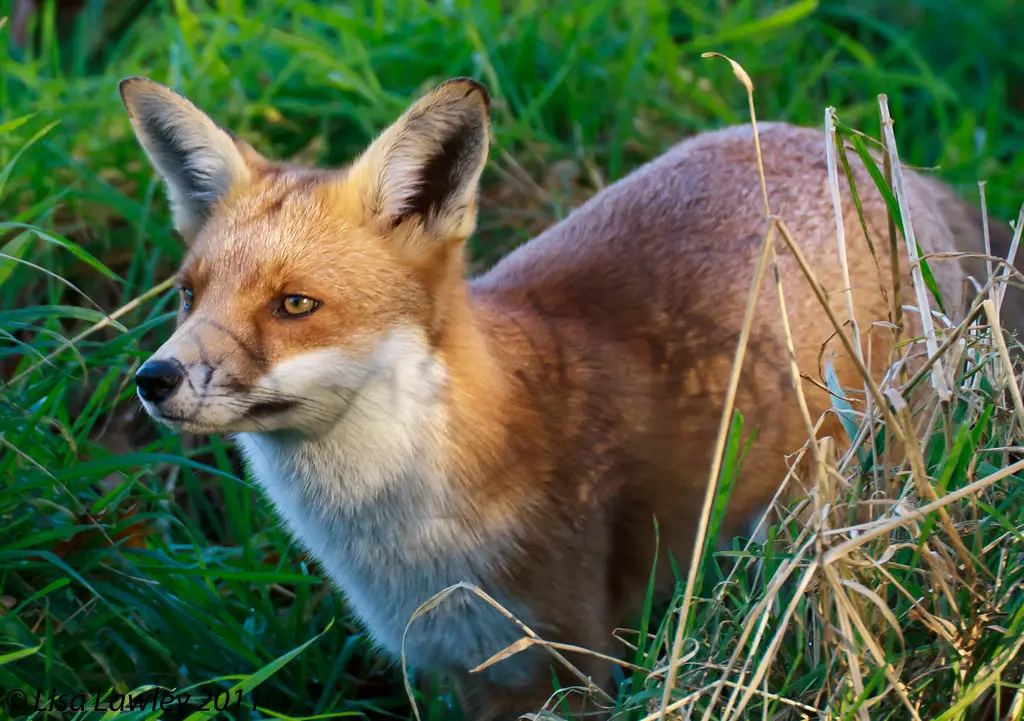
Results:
x,y
427,165
199,160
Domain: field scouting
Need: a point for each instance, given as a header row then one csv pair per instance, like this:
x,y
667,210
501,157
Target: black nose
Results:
x,y
158,379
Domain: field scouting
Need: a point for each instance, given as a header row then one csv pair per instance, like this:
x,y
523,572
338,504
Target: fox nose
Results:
x,y
158,379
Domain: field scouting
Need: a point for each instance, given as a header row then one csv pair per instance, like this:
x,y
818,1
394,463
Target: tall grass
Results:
x,y
132,557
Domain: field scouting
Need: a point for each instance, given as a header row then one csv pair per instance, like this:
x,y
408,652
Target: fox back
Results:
x,y
520,431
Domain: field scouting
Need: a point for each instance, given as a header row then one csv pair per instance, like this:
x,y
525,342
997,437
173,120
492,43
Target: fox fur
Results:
x,y
520,430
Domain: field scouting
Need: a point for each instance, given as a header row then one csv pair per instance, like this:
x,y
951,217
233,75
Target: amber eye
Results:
x,y
187,296
296,306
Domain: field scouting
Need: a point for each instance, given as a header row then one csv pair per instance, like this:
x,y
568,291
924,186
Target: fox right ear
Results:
x,y
199,161
427,165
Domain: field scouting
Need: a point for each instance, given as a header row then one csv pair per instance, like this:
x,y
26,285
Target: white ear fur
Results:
x,y
199,161
428,163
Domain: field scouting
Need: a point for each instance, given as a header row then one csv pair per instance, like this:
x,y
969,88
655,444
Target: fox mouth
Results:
x,y
194,422
269,408
157,414
189,423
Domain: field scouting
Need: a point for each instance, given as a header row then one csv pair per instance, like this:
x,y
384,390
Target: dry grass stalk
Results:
x,y
530,638
795,376
984,228
1004,359
1010,257
723,429
832,164
939,380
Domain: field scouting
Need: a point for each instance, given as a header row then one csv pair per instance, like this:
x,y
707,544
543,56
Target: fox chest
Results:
x,y
391,544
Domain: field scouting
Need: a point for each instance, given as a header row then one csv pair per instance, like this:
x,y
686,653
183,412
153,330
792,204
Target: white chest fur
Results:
x,y
371,502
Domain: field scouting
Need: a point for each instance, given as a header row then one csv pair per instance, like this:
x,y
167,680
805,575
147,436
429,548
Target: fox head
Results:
x,y
304,287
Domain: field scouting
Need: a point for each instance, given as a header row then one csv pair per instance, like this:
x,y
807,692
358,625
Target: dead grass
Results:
x,y
848,589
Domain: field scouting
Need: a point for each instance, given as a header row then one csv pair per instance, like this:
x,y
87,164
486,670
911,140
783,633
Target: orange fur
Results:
x,y
581,380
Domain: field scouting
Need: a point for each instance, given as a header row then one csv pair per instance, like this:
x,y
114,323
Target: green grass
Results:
x,y
130,556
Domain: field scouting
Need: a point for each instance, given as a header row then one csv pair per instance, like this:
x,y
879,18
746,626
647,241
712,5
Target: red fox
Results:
x,y
520,430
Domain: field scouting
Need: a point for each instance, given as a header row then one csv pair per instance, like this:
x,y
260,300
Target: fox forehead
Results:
x,y
277,224
289,232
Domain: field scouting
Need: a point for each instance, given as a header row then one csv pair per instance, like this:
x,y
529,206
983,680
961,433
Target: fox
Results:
x,y
543,430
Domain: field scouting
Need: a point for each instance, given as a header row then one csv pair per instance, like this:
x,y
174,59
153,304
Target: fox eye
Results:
x,y
187,296
297,306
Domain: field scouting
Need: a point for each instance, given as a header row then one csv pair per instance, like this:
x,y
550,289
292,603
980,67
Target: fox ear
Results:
x,y
427,165
199,160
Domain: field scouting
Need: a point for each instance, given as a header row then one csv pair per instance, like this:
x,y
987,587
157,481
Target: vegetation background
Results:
x,y
131,556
